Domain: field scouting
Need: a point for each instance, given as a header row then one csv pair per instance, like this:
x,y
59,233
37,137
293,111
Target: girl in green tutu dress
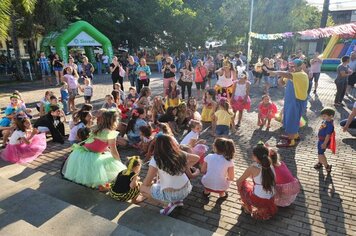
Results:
x,y
97,162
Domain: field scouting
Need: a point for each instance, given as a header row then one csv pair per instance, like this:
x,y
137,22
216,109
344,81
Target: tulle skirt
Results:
x,y
258,208
24,153
91,168
239,104
286,193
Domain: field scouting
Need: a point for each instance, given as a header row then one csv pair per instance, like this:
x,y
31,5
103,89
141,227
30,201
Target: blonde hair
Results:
x,y
107,121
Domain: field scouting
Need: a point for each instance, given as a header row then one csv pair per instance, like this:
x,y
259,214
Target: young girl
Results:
x,y
133,127
83,134
109,102
287,187
209,106
117,87
71,77
266,111
157,109
192,107
172,98
126,185
41,105
91,165
87,90
25,144
85,120
144,100
241,97
218,168
64,97
224,118
170,117
257,197
146,138
75,115
131,97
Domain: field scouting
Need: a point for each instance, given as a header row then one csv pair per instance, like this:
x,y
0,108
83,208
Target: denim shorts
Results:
x,y
222,130
170,196
73,93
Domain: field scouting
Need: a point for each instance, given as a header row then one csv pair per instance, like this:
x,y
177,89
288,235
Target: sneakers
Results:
x,y
171,206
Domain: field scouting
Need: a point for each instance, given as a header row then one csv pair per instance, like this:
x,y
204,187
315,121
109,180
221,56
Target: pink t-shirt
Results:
x,y
316,67
283,174
72,81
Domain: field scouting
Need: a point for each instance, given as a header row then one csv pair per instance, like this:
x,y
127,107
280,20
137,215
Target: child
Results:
x,y
266,111
22,104
157,109
75,115
257,197
40,106
192,140
71,77
170,117
87,90
132,97
241,97
182,116
25,144
83,134
326,136
224,118
133,127
53,101
117,87
192,107
64,97
172,98
146,138
144,100
287,187
126,185
257,73
85,119
218,168
109,102
209,106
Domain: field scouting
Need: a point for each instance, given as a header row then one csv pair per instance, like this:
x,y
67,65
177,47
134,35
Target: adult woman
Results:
x,y
131,71
201,73
115,68
209,64
143,72
72,64
169,73
87,68
90,164
186,78
257,197
343,71
227,76
170,163
57,64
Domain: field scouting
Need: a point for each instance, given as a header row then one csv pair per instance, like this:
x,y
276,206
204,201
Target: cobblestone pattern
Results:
x,y
325,206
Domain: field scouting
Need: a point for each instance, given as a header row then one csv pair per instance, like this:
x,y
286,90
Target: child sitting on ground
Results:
x,y
146,138
126,186
326,136
85,120
131,97
133,127
218,168
192,107
83,134
172,98
157,109
266,111
109,102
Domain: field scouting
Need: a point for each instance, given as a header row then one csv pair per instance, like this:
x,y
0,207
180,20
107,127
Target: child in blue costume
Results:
x,y
93,164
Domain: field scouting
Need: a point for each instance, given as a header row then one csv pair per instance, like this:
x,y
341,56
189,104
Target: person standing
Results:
x,y
115,68
43,63
186,78
315,68
209,64
295,100
105,60
159,62
343,71
352,78
57,64
87,68
131,71
201,73
169,73
98,60
143,72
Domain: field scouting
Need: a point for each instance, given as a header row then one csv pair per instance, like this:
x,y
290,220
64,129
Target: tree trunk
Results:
x,y
15,44
323,21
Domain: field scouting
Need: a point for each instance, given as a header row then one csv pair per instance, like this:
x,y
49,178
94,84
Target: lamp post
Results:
x,y
249,37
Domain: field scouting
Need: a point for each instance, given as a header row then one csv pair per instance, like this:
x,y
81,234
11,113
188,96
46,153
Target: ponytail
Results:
x,y
268,179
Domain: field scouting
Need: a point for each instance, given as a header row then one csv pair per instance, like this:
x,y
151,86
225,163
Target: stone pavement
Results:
x,y
325,206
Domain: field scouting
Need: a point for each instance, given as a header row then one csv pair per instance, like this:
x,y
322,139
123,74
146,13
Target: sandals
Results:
x,y
206,195
328,168
318,166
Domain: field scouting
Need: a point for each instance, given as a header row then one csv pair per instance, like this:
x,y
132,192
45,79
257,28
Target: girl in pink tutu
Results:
x,y
287,187
266,111
240,100
25,144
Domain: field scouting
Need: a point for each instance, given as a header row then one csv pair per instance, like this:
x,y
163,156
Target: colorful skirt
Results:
x,y
258,208
131,194
238,103
91,168
24,153
286,193
225,92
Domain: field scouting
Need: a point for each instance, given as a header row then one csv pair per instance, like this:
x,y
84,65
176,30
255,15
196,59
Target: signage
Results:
x,y
83,39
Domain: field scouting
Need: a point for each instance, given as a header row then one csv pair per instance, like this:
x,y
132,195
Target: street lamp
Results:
x,y
249,37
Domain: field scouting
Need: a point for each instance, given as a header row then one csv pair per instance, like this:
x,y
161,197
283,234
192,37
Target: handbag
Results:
x,y
122,72
180,81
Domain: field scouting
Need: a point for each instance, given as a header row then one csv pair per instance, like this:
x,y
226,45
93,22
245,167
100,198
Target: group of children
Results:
x,y
135,119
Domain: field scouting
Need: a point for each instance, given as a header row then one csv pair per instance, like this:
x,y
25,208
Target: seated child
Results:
x,y
218,168
85,119
117,87
266,111
131,97
157,109
192,107
126,186
146,138
83,134
109,102
133,127
170,118
25,144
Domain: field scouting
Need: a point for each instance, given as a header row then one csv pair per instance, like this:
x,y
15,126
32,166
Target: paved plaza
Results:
x,y
326,204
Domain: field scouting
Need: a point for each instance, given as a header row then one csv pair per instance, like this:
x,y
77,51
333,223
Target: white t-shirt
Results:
x,y
15,137
216,174
105,59
167,180
74,131
88,90
354,105
191,135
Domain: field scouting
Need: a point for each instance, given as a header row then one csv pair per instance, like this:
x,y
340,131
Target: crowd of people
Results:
x,y
136,118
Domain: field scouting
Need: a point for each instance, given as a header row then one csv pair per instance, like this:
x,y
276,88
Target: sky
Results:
x,y
335,4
